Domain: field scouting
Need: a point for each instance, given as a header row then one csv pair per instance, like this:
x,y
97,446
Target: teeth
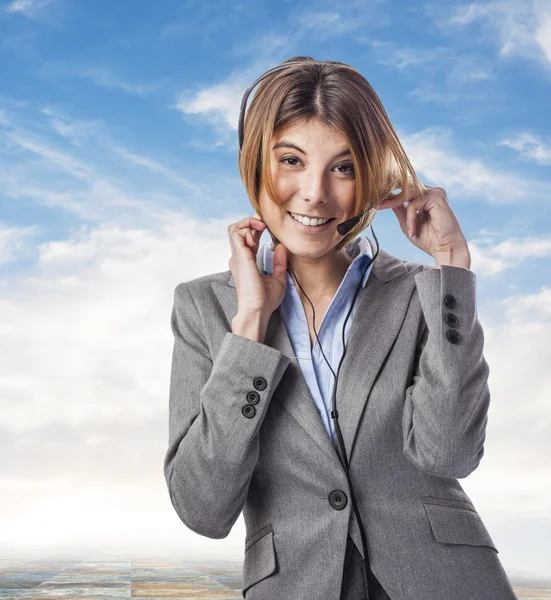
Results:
x,y
307,221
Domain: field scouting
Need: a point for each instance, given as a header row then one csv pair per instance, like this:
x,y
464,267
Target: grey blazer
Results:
x,y
413,398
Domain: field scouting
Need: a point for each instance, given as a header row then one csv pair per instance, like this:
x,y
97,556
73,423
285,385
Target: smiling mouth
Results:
x,y
328,220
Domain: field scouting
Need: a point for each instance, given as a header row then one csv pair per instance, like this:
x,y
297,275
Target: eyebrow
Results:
x,y
287,144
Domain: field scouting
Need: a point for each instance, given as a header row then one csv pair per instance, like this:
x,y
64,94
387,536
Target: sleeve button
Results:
x,y
450,301
451,319
248,411
253,397
259,383
453,336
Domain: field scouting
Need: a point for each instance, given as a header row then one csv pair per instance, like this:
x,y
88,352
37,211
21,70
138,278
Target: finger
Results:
x,y
279,267
400,212
396,199
238,243
389,204
240,240
248,222
259,228
411,218
256,233
247,236
391,201
416,207
248,229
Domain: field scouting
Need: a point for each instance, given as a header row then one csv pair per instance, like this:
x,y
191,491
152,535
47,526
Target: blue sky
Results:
x,y
119,178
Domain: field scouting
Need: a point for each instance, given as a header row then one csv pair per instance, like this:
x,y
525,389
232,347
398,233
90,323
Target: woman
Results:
x,y
360,502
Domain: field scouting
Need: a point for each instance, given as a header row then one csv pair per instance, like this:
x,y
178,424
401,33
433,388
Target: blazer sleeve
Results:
x,y
213,447
446,407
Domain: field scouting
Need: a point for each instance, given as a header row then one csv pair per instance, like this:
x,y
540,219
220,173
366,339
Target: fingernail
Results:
x,y
410,233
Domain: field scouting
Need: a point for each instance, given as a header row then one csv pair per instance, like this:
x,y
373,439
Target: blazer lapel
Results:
x,y
380,309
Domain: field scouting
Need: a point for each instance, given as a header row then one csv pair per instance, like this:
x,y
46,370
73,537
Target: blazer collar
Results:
x,y
380,309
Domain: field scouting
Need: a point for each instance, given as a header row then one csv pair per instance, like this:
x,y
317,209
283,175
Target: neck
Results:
x,y
320,278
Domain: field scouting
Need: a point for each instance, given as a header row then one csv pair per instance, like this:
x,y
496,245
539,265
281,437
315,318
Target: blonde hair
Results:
x,y
340,97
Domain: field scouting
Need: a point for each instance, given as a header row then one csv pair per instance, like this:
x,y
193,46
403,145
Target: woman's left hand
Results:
x,y
434,226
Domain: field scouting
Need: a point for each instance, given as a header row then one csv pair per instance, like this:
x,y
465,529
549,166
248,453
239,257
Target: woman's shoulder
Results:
x,y
388,266
199,287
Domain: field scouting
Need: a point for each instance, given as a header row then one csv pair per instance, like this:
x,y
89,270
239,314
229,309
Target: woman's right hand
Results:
x,y
257,293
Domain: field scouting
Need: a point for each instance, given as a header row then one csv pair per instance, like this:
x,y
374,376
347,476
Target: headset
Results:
x,y
343,228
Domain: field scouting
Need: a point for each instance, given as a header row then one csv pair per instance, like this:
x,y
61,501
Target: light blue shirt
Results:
x,y
316,372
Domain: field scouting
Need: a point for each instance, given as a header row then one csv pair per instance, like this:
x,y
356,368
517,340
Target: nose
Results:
x,y
313,185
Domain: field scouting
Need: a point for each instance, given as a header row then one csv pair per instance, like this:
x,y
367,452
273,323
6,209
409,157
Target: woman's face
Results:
x,y
315,178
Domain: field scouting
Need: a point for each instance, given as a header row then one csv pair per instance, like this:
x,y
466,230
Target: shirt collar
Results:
x,y
358,249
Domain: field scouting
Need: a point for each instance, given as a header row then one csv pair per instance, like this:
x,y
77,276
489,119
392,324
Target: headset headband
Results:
x,y
249,90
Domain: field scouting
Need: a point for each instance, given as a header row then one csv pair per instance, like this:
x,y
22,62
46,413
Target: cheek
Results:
x,y
284,186
272,213
350,194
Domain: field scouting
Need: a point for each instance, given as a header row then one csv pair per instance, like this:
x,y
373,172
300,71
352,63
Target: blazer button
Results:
x,y
259,383
253,397
450,301
453,336
451,319
338,499
248,411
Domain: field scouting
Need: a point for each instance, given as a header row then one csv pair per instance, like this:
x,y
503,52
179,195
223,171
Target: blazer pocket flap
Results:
x,y
260,559
457,522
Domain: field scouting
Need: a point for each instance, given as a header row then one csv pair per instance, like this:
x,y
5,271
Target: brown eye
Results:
x,y
288,158
350,167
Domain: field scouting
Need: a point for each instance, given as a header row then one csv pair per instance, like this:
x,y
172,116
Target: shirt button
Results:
x,y
453,336
451,319
338,499
248,411
450,301
259,383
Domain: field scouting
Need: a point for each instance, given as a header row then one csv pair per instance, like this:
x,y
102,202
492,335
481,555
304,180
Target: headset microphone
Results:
x,y
344,227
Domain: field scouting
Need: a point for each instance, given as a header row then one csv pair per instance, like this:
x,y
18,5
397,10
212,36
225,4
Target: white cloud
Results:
x,y
218,103
88,329
492,259
89,179
84,386
29,8
519,430
519,27
431,152
543,34
530,147
45,12
16,243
